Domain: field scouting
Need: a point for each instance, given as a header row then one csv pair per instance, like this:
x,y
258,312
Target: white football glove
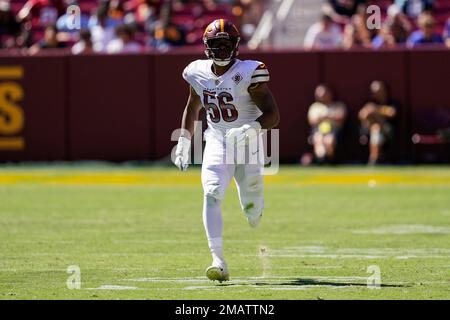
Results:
x,y
243,135
182,153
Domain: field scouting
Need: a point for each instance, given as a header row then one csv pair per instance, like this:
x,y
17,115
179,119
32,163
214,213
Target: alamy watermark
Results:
x,y
374,279
74,280
254,151
73,20
373,21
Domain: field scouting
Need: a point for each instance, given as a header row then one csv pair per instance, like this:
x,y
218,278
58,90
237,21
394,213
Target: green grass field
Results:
x,y
137,233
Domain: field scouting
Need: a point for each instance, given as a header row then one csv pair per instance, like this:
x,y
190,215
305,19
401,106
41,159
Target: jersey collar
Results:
x,y
236,61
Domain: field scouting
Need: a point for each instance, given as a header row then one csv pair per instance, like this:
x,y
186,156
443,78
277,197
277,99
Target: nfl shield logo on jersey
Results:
x,y
237,78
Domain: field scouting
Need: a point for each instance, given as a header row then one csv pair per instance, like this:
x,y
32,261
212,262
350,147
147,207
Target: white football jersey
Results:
x,y
226,98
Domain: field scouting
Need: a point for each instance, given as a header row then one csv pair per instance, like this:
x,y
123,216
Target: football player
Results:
x,y
238,104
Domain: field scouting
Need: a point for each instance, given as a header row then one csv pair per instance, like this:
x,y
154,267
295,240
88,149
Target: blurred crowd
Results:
x,y
410,23
114,26
327,118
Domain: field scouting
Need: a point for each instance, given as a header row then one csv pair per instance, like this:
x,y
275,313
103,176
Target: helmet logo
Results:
x,y
223,35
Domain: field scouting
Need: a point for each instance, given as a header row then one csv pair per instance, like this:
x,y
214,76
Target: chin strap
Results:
x,y
222,63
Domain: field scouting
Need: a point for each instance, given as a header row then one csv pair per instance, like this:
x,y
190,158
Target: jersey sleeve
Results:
x,y
187,73
261,74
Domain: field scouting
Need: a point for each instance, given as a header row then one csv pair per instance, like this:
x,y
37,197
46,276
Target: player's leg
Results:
x,y
249,181
216,177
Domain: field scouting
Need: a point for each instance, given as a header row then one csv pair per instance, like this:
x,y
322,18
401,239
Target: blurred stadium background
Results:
x,y
112,89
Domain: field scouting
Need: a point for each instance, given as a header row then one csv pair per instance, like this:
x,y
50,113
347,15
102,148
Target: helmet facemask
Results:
x,y
222,49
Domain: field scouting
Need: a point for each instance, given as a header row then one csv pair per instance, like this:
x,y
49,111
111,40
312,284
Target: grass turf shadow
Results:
x,y
312,282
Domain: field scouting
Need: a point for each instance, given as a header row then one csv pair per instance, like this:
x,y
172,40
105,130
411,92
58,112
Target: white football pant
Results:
x,y
218,169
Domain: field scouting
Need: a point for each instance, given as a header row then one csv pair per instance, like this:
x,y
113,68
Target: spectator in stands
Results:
x,y
446,34
359,22
149,20
50,41
377,121
166,33
9,26
326,118
24,39
249,13
115,9
145,12
400,27
167,36
426,34
142,9
354,38
84,45
42,12
341,10
102,17
324,34
412,8
102,31
394,32
384,38
124,43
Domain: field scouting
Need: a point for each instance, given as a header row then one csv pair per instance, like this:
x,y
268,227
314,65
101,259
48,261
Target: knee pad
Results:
x,y
212,190
255,184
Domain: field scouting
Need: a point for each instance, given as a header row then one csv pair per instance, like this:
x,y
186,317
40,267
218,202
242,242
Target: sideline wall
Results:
x,y
125,107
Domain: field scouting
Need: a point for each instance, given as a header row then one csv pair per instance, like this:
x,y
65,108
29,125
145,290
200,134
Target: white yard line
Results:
x,y
246,280
113,287
406,229
242,288
360,253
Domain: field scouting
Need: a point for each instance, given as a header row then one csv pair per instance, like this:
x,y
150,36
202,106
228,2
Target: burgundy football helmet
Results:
x,y
221,39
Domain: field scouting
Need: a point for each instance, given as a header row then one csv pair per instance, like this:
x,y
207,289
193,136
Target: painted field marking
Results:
x,y
246,280
113,287
406,229
172,178
360,253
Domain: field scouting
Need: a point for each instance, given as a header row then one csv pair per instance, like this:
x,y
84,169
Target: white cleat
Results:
x,y
215,273
253,216
254,221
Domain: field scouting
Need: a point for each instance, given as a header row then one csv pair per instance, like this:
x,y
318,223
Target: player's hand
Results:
x,y
243,135
182,153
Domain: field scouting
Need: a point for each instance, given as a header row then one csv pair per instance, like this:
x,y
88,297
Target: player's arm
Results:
x,y
190,115
264,100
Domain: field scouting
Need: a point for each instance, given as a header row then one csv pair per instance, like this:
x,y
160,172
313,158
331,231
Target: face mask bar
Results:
x,y
221,62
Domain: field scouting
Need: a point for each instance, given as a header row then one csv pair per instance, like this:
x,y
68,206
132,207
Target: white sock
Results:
x,y
212,220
